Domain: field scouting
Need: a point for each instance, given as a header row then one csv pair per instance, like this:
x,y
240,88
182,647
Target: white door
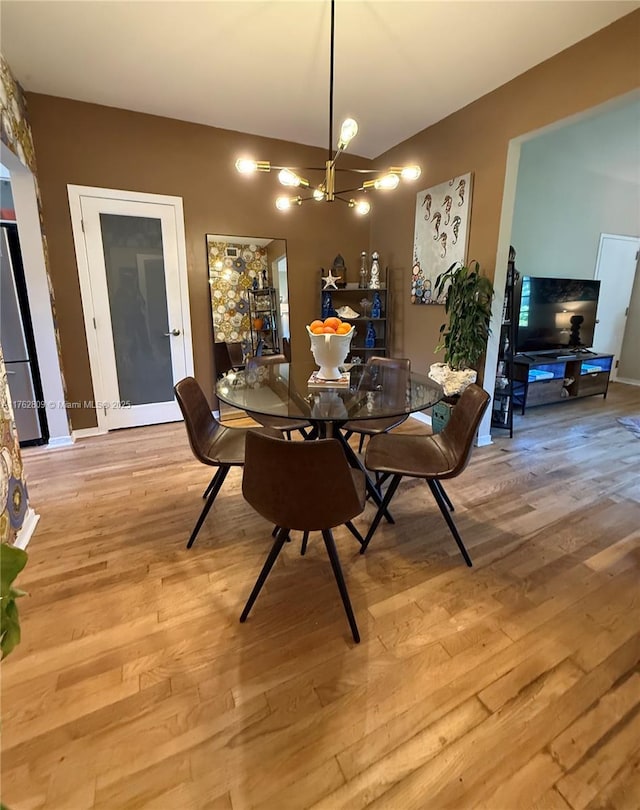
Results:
x,y
132,268
616,268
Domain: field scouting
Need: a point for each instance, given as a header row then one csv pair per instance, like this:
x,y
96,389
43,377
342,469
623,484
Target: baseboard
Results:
x,y
484,440
29,524
421,417
626,381
85,433
60,441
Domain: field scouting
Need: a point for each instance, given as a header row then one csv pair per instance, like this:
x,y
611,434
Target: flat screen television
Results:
x,y
556,314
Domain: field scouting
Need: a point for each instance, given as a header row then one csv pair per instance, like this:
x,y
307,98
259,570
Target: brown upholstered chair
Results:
x,y
435,458
305,486
227,357
287,426
372,427
211,443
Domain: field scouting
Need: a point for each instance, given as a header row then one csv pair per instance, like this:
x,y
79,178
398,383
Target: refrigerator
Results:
x,y
18,346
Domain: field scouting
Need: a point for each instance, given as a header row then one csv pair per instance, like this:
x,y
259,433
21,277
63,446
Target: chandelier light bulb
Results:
x,y
362,207
387,181
284,203
348,131
288,178
248,165
410,172
318,194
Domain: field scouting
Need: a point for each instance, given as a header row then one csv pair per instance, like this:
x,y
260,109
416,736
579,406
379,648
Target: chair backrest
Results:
x,y
286,349
390,362
201,424
307,486
221,358
236,354
267,360
456,440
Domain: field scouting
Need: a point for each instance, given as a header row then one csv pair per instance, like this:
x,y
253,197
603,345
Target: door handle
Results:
x,y
174,332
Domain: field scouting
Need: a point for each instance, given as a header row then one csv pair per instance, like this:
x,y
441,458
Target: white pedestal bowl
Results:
x,y
330,352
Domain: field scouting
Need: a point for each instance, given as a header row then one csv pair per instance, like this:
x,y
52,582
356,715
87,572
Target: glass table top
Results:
x,y
283,390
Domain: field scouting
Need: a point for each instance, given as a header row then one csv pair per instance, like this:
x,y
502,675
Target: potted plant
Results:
x,y
12,561
464,337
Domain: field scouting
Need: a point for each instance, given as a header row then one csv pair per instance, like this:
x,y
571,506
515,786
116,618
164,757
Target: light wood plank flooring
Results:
x,y
511,685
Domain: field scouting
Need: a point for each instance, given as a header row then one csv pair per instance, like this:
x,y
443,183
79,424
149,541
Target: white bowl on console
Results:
x,y
330,352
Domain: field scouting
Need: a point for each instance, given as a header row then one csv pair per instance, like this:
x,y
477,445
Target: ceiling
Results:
x,y
263,67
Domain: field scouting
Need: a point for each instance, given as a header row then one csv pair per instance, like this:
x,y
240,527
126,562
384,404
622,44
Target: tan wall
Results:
x,y
476,139
90,145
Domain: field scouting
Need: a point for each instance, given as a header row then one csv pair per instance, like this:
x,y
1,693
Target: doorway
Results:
x,y
133,279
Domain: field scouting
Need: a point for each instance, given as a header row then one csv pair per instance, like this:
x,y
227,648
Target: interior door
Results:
x,y
616,268
140,310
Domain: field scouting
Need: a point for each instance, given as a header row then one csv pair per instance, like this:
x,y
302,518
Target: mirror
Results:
x,y
249,293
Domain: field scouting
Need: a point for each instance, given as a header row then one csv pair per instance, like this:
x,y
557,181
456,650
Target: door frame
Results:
x,y
175,203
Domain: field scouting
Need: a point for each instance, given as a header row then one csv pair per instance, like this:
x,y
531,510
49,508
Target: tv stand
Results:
x,y
544,379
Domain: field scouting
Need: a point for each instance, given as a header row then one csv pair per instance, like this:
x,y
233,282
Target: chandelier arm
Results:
x,y
349,190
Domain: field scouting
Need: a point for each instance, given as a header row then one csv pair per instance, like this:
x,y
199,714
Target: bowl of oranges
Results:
x,y
330,342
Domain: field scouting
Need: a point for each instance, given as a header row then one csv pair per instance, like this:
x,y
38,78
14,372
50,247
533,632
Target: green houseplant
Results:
x,y
464,337
12,561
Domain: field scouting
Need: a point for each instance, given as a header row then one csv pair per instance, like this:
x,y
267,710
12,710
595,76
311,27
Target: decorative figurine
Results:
x,y
374,279
370,337
265,280
340,269
376,307
254,283
327,306
329,281
363,271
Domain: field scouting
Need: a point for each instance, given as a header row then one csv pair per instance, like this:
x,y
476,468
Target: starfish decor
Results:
x,y
330,281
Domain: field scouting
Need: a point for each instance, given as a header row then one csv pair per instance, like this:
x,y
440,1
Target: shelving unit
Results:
x,y
505,389
263,317
351,296
546,380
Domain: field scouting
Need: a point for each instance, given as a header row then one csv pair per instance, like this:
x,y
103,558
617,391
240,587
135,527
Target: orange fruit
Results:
x,y
317,330
343,329
315,324
328,330
334,323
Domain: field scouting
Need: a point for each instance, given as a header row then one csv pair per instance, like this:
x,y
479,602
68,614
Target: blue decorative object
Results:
x,y
370,338
254,284
376,308
327,306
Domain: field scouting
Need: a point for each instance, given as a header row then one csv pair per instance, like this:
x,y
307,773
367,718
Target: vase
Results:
x,y
330,352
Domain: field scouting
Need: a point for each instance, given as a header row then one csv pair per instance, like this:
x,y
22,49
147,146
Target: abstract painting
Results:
x,y
440,236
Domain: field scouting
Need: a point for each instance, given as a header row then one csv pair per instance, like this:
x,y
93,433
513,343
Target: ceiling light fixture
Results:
x,y
326,190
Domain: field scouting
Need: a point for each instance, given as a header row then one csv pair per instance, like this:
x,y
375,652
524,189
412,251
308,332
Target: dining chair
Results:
x,y
304,486
227,357
282,423
212,443
372,427
434,458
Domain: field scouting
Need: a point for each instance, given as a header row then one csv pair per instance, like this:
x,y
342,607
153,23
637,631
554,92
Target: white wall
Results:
x,y
574,184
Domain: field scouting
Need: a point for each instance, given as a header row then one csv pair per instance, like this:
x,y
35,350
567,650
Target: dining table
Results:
x,y
287,390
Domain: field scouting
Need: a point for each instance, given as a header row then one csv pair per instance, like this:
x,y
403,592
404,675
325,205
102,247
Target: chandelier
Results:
x,y
325,191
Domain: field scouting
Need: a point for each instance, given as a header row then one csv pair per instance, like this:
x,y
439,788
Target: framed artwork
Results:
x,y
440,235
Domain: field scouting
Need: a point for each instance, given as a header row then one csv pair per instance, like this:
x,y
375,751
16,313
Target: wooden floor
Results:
x,y
511,685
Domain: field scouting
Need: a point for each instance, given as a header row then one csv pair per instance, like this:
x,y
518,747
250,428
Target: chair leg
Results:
x,y
354,532
213,488
446,498
452,526
268,565
303,433
391,489
305,540
348,434
361,443
327,536
212,484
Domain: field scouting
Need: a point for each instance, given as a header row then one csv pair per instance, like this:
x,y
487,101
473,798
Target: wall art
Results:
x,y
440,235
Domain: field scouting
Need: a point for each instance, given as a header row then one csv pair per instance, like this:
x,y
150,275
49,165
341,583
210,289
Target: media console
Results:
x,y
557,377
